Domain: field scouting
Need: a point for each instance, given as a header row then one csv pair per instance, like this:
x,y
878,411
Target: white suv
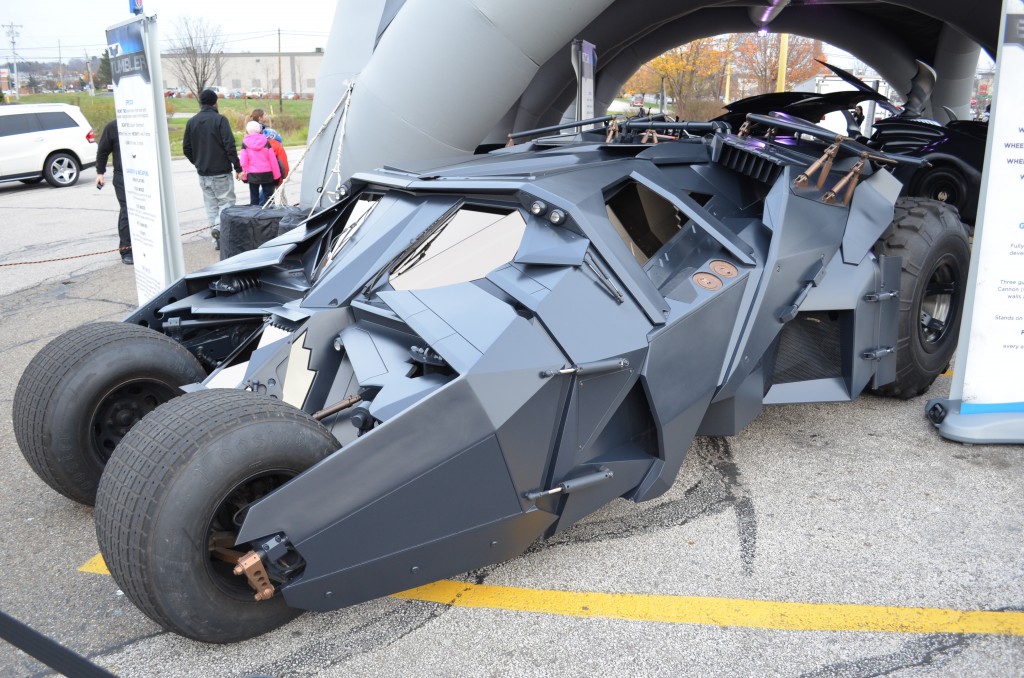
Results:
x,y
45,141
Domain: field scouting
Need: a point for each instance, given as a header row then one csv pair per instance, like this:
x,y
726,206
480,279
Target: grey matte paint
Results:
x,y
570,365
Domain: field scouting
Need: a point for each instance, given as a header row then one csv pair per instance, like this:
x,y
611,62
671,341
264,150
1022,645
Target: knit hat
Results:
x,y
252,127
208,97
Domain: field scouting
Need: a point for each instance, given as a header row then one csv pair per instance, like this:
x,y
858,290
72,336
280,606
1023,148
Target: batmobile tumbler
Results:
x,y
447,365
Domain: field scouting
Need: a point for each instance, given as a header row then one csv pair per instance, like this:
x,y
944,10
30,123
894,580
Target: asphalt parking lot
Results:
x,y
824,540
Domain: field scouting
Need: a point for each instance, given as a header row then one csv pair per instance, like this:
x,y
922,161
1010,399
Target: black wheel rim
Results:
x,y
944,187
227,521
939,303
121,409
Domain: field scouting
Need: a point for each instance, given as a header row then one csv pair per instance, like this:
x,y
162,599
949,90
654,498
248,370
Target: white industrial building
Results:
x,y
247,70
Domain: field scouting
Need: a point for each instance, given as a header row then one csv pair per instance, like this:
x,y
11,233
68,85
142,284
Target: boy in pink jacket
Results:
x,y
259,164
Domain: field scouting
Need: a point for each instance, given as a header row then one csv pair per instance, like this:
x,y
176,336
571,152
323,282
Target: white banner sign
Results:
x,y
145,155
993,379
584,61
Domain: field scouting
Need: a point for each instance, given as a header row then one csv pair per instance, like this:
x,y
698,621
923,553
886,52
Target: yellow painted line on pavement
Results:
x,y
705,611
760,614
95,565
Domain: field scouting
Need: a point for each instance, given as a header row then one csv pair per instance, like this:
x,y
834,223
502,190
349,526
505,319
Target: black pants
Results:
x,y
260,193
123,232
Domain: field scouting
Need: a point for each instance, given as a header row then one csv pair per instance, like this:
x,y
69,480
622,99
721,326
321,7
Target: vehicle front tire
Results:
x,y
61,169
933,242
185,476
84,390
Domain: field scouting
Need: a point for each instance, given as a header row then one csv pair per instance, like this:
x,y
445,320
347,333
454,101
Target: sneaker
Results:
x,y
216,243
215,232
126,258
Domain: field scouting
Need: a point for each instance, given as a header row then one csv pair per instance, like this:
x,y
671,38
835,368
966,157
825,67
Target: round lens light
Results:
x,y
557,216
538,207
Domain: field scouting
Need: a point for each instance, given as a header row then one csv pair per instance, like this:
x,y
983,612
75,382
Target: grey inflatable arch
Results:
x,y
435,79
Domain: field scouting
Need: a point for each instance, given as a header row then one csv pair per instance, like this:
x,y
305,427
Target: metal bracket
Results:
x,y
251,565
878,353
849,182
882,296
603,277
342,404
573,484
613,132
824,163
589,368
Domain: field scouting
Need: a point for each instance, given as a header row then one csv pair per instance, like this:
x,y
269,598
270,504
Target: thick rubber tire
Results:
x,y
943,183
61,169
82,392
170,486
933,242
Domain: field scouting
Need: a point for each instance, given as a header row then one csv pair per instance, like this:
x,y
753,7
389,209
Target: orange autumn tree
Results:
x,y
757,60
644,81
693,76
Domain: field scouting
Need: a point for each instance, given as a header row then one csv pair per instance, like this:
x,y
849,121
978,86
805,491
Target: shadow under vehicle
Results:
x,y
449,364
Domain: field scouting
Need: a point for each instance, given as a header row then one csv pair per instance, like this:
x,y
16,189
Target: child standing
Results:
x,y
259,164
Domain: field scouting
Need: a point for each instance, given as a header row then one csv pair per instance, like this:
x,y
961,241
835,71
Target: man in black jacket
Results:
x,y
210,146
109,145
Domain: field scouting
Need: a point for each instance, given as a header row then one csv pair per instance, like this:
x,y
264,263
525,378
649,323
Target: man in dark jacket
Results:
x,y
109,145
210,146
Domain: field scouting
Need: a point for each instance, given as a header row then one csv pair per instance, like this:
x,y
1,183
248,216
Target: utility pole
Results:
x,y
780,83
728,80
280,82
12,34
60,70
88,67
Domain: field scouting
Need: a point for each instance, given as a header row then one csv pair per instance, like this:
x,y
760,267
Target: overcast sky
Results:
x,y
74,27
79,25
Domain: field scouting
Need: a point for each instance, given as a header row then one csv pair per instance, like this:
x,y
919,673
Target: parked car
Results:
x,y
234,94
448,364
45,141
255,93
289,95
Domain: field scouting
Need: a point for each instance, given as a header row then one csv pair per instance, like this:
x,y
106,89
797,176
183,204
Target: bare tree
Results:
x,y
196,52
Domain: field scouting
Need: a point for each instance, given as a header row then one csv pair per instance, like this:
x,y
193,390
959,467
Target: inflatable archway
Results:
x,y
436,78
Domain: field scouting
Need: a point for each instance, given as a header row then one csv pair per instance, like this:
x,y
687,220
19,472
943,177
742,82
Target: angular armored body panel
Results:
x,y
449,364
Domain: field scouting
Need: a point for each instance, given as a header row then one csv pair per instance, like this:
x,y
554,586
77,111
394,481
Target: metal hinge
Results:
x,y
878,353
882,296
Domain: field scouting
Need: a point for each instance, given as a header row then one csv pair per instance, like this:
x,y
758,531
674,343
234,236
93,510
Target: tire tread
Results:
x,y
44,377
148,462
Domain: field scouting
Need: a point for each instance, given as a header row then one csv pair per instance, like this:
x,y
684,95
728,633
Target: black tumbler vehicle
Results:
x,y
449,364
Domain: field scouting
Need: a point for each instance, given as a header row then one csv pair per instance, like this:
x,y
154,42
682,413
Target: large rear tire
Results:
x,y
933,242
82,393
179,483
